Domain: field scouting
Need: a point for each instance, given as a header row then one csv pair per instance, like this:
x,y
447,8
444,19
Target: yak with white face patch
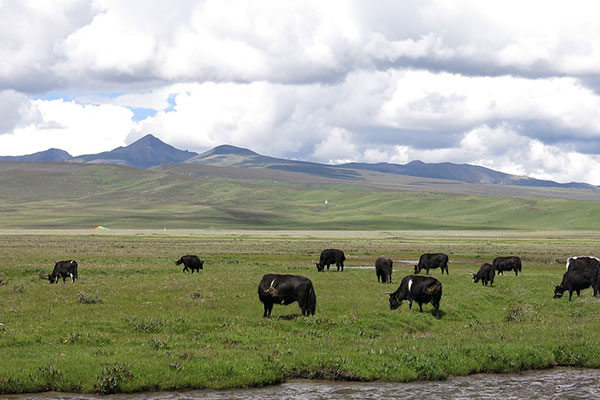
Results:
x,y
422,289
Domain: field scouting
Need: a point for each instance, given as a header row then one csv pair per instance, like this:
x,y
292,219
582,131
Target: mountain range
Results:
x,y
150,151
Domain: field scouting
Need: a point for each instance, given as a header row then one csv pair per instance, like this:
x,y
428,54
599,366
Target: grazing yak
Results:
x,y
432,260
486,274
331,256
502,264
190,262
63,269
286,289
422,289
383,269
582,272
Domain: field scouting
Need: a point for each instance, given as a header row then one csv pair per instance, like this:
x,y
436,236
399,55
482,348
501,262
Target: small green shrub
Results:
x,y
112,378
9,385
85,299
94,339
18,288
148,325
159,344
51,377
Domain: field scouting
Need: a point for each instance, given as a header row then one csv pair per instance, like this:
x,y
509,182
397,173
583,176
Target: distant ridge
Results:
x,y
150,151
231,156
463,173
50,155
228,149
146,152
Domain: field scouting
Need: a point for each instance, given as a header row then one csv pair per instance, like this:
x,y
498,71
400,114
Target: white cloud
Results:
x,y
337,147
75,128
109,45
336,80
16,110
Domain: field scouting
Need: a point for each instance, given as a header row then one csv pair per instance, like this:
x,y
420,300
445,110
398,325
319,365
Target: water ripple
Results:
x,y
558,383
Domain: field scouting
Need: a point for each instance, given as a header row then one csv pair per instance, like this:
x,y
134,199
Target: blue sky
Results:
x,y
512,86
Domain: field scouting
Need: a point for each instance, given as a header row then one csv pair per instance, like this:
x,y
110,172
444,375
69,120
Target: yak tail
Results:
x,y
436,287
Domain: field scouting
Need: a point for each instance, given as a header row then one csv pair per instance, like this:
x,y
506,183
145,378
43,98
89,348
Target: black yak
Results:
x,y
286,289
485,274
64,269
190,262
331,256
502,264
383,269
422,289
582,272
429,261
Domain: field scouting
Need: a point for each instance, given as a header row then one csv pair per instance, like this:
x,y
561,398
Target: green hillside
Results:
x,y
63,195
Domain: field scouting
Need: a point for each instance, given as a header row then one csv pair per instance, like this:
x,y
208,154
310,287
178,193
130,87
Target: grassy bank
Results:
x,y
135,322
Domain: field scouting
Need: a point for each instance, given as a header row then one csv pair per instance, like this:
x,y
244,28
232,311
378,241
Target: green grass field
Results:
x,y
80,196
135,322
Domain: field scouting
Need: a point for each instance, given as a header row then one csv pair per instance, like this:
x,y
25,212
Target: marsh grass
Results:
x,y
156,328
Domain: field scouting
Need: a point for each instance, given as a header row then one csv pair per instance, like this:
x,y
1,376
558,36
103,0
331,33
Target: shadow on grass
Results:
x,y
288,317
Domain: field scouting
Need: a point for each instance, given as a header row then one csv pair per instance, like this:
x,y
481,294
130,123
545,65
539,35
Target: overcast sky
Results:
x,y
510,85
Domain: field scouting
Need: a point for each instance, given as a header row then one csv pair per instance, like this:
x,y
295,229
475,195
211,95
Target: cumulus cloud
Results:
x,y
29,33
75,128
510,85
115,44
16,110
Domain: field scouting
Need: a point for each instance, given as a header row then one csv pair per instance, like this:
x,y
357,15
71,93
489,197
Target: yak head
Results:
x,y
395,299
417,269
558,291
320,267
271,289
51,278
475,277
178,262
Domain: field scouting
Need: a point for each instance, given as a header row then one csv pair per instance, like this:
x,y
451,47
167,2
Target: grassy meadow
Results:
x,y
81,196
134,322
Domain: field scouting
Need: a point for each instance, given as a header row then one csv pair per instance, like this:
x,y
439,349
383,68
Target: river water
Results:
x,y
558,383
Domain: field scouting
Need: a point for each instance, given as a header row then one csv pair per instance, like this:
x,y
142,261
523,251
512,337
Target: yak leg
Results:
x,y
436,308
268,309
304,308
421,307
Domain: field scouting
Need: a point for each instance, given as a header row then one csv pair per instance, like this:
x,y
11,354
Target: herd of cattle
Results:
x,y
582,272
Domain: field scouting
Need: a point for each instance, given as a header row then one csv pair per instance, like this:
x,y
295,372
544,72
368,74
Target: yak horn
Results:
x,y
270,287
